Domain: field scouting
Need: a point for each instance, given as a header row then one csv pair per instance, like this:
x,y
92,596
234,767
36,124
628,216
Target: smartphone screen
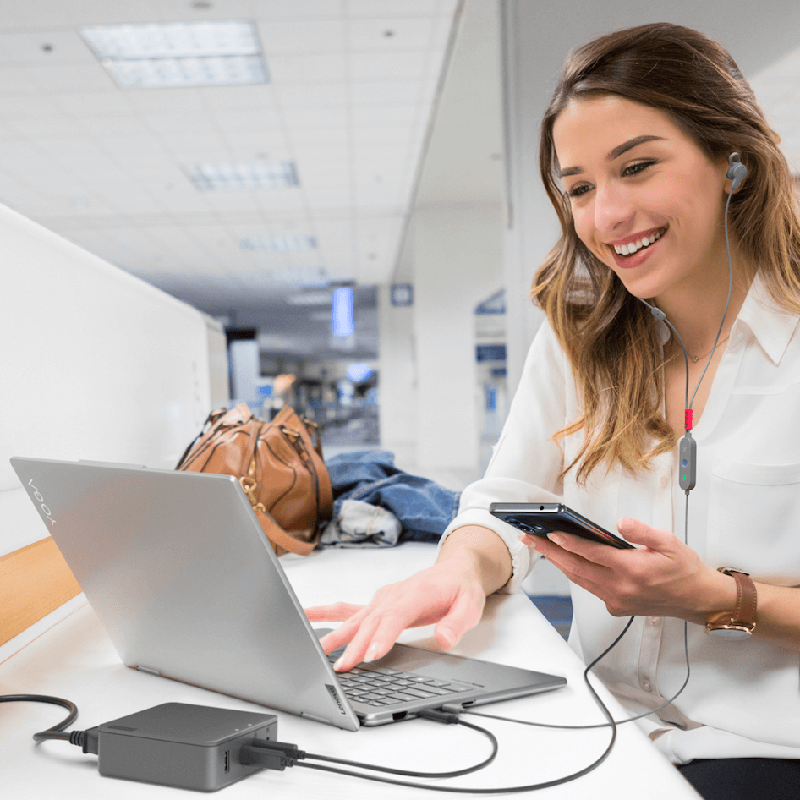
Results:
x,y
539,519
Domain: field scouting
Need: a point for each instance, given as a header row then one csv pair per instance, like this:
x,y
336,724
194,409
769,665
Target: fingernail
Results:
x,y
338,665
372,653
556,538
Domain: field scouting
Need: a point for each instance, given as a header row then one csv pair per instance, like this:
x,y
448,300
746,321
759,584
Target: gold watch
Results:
x,y
742,622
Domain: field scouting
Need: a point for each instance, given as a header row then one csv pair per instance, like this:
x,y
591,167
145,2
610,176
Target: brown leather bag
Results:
x,y
279,467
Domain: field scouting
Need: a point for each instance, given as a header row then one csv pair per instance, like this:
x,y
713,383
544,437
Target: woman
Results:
x,y
635,151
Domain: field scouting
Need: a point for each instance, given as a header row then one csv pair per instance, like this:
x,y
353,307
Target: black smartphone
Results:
x,y
539,519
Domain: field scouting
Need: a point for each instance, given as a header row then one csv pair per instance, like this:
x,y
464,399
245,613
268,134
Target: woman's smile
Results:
x,y
633,251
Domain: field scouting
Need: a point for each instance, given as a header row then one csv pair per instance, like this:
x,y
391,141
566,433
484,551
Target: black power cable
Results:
x,y
57,731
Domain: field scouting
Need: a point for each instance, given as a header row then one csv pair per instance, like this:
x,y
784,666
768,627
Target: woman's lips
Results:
x,y
638,258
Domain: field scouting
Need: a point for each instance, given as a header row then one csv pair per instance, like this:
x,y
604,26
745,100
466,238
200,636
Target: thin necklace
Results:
x,y
695,359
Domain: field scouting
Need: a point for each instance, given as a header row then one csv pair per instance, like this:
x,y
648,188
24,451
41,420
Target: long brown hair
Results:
x,y
610,337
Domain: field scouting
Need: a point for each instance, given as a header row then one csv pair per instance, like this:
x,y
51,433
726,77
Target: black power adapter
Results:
x,y
177,744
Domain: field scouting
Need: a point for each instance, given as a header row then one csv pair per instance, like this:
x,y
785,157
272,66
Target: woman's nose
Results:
x,y
613,209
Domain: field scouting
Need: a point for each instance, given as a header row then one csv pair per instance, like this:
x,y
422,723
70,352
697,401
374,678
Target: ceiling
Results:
x,y
378,103
352,85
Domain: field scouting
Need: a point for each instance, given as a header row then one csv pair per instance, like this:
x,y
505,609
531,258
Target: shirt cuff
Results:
x,y
523,557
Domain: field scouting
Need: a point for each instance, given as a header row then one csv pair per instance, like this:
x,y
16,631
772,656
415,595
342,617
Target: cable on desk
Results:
x,y
599,724
79,738
438,716
504,789
279,755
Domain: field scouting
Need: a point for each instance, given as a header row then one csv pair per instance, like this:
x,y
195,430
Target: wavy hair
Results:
x,y
610,338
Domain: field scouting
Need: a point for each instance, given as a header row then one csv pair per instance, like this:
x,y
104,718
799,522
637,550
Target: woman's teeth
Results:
x,y
633,247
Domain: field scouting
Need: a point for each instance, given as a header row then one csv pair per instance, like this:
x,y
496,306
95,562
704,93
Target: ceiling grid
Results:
x,y
352,86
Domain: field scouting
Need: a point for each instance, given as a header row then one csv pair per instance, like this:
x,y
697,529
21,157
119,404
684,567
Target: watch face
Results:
x,y
730,633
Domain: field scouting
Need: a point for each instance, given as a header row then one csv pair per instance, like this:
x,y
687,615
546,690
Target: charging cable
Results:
x,y
249,753
82,739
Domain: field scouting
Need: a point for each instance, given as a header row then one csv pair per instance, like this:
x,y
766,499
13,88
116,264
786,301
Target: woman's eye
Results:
x,y
637,168
579,189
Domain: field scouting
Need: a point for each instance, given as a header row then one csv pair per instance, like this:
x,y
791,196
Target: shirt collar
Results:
x,y
771,326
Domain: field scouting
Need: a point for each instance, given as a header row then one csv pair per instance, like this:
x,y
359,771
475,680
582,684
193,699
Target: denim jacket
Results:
x,y
376,504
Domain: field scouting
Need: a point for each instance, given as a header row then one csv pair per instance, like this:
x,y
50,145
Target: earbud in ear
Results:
x,y
737,171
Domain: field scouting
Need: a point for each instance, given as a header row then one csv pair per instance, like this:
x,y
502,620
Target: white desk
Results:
x,y
74,659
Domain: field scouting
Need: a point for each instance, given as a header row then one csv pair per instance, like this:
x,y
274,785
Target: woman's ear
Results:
x,y
736,173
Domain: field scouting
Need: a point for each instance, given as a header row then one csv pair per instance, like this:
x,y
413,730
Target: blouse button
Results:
x,y
646,685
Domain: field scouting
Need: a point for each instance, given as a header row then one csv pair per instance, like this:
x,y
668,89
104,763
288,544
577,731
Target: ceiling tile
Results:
x,y
111,126
95,104
257,145
242,121
14,107
400,8
402,92
387,34
71,78
308,95
308,69
392,116
152,102
45,48
194,147
48,128
370,135
317,137
332,117
300,9
16,80
237,98
400,65
302,36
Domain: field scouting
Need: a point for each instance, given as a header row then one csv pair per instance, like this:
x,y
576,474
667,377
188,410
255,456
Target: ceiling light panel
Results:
x,y
279,242
243,175
215,53
173,40
181,72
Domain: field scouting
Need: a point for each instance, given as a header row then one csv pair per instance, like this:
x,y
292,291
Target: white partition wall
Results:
x,y
94,364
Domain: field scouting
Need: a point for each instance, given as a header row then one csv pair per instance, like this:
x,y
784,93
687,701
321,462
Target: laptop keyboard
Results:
x,y
388,687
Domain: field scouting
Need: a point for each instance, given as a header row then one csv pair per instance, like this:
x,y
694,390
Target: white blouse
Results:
x,y
743,697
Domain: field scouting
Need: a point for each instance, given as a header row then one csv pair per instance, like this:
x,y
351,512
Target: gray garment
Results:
x,y
363,525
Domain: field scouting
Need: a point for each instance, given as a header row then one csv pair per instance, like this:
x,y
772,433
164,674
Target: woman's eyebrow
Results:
x,y
630,144
615,153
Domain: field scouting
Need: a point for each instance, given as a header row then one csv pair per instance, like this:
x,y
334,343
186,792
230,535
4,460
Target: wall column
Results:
x,y
457,263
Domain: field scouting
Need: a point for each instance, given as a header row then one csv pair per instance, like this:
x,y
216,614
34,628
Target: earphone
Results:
x,y
737,171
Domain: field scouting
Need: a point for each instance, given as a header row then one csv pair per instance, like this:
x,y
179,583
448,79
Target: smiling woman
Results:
x,y
637,155
634,145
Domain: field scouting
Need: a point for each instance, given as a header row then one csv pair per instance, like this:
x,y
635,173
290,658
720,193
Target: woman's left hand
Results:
x,y
664,577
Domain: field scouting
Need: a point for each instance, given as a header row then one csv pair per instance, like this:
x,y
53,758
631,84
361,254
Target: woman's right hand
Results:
x,y
445,594
473,563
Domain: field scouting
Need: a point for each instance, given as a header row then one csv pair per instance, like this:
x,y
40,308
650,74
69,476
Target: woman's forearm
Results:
x,y
778,615
483,551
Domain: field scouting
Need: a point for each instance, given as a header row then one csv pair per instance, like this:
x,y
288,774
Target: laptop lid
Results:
x,y
184,582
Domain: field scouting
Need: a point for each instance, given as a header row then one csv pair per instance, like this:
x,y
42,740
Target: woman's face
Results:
x,y
645,199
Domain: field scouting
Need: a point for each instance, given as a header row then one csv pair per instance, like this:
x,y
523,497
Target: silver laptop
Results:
x,y
184,582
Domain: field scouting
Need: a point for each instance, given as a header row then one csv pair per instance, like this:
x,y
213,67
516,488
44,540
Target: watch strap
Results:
x,y
744,615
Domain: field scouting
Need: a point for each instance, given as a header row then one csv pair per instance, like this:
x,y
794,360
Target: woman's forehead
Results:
x,y
602,122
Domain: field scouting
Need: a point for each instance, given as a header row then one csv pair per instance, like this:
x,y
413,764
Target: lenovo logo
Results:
x,y
40,500
336,698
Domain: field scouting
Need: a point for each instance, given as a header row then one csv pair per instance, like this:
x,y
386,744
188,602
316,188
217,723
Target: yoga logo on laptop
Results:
x,y
40,500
